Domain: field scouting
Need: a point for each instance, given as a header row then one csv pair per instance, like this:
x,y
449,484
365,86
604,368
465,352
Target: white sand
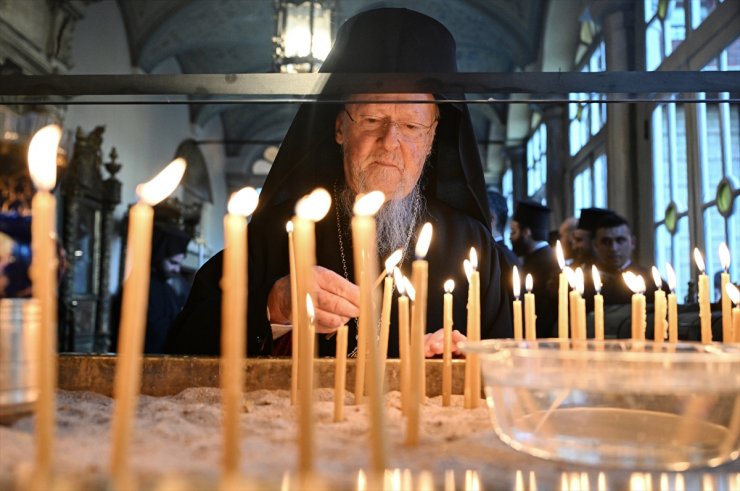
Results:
x,y
181,435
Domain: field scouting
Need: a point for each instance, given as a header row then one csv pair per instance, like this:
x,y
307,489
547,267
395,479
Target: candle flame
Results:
x,y
367,205
449,286
733,292
289,226
42,157
163,184
570,275
313,206
656,278
393,261
309,308
516,282
243,202
631,280
528,283
398,279
670,276
425,238
473,258
699,260
410,290
468,268
580,283
597,278
560,255
361,481
724,257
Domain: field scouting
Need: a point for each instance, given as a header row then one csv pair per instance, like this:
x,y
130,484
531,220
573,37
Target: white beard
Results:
x,y
395,221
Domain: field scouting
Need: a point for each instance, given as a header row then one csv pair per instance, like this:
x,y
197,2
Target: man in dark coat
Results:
x,y
529,229
422,155
584,251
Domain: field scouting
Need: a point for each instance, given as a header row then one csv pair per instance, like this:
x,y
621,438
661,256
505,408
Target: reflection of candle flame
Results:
x,y
398,279
699,259
472,480
361,481
314,206
42,157
468,268
425,238
449,286
580,286
309,308
243,202
671,276
733,293
596,277
410,290
560,255
473,258
656,278
393,261
162,185
724,257
516,282
528,283
601,482
368,204
289,226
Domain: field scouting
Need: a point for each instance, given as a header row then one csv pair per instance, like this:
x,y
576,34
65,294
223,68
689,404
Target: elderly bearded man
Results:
x,y
419,151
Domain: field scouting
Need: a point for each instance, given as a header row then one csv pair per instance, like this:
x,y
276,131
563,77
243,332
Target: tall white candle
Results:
x,y
294,348
636,283
518,332
705,312
385,311
42,164
659,308
581,304
562,294
724,258
406,292
133,312
366,269
449,286
598,305
734,294
234,322
530,317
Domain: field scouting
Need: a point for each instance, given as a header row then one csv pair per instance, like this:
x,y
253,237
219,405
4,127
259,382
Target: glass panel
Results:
x,y
682,258
653,45
661,177
705,8
662,248
679,170
712,164
600,181
714,235
651,7
676,27
733,169
733,240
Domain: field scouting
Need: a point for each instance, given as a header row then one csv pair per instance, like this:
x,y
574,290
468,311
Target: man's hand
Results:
x,y
337,300
434,342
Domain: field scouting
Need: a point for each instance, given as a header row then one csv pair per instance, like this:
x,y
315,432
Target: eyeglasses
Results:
x,y
377,126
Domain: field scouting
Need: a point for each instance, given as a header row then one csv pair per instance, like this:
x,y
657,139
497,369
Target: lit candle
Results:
x,y
340,373
705,312
562,294
637,284
385,311
406,291
598,305
234,322
419,276
573,302
530,331
294,349
309,209
449,286
518,333
133,312
659,326
581,304
472,361
724,258
672,305
366,268
42,164
734,294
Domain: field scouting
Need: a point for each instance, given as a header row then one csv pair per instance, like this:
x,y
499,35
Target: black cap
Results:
x,y
590,218
533,215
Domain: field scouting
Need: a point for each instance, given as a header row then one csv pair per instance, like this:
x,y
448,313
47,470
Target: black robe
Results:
x,y
197,329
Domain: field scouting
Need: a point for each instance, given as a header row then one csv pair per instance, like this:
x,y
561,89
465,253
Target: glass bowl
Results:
x,y
615,403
